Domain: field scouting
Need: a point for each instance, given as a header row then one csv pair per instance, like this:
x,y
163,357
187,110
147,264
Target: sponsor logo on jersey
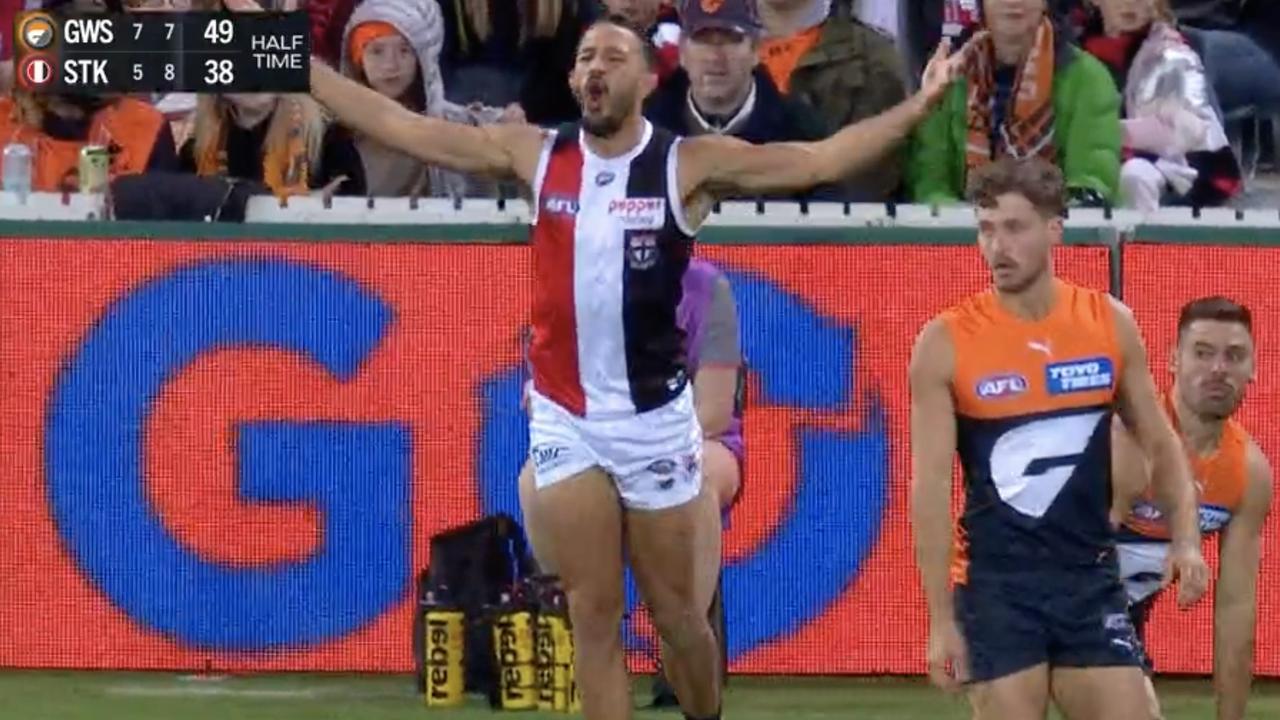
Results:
x,y
547,457
1079,375
665,466
642,251
560,205
1147,511
639,213
998,386
1213,518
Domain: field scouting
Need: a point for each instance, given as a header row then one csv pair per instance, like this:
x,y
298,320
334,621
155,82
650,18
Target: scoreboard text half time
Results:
x,y
160,52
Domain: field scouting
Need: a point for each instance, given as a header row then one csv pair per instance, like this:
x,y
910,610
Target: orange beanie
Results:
x,y
365,33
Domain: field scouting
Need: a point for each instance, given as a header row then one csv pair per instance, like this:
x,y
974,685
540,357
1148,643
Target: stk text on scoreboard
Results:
x,y
199,52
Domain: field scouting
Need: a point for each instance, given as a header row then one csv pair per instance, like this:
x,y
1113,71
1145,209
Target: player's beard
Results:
x,y
1020,283
612,116
1217,410
605,125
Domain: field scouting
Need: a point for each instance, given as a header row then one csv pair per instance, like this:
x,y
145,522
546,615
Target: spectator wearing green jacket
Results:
x,y
1027,91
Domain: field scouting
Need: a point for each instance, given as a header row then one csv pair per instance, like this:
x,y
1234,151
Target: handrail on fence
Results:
x,y
506,221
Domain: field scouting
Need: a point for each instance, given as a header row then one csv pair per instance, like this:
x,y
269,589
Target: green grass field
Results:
x,y
158,696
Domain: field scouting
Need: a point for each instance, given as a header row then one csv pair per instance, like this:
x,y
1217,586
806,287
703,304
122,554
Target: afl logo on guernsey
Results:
x,y
560,205
1079,375
998,386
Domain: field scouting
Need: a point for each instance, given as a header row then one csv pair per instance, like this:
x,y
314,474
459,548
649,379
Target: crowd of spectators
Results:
x,y
1131,98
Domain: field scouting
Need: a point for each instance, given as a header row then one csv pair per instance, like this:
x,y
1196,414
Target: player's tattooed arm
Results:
x,y
933,449
1139,408
1235,607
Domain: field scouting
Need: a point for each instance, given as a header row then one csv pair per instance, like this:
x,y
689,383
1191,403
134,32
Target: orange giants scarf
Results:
x,y
1028,123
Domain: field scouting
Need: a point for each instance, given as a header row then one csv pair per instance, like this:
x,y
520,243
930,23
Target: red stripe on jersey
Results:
x,y
554,351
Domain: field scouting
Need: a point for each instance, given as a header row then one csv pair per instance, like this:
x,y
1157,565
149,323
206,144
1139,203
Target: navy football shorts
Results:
x,y
1015,621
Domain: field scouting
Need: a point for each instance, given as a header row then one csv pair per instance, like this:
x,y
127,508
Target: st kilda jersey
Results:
x,y
610,248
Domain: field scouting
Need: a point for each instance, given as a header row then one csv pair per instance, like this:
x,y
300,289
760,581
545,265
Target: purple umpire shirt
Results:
x,y
709,317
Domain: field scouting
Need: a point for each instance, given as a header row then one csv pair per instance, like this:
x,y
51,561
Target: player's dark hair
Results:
x,y
1038,180
646,45
1214,307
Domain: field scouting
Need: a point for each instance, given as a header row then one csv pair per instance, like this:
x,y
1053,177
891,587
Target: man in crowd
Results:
x,y
721,88
819,54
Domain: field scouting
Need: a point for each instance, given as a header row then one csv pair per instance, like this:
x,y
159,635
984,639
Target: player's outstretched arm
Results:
x,y
1139,407
724,166
501,151
493,150
1235,607
933,448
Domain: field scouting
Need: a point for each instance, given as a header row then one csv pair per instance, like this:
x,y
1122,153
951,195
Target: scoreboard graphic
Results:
x,y
199,52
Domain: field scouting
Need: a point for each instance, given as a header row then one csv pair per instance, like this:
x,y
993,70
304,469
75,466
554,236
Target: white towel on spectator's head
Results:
x,y
420,22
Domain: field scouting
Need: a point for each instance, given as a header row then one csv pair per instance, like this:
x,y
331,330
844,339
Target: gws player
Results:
x,y
1212,364
613,432
1021,381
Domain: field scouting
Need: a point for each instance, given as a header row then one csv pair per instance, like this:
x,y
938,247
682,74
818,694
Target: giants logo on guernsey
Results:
x,y
610,246
1031,433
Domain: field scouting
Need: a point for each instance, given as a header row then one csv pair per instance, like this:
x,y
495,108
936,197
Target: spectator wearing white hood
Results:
x,y
393,46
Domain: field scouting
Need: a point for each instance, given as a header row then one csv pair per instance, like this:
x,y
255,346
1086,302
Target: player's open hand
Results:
x,y
948,656
1186,565
943,69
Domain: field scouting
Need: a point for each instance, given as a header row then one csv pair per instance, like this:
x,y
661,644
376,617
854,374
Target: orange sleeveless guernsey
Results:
x,y
1033,404
1220,478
